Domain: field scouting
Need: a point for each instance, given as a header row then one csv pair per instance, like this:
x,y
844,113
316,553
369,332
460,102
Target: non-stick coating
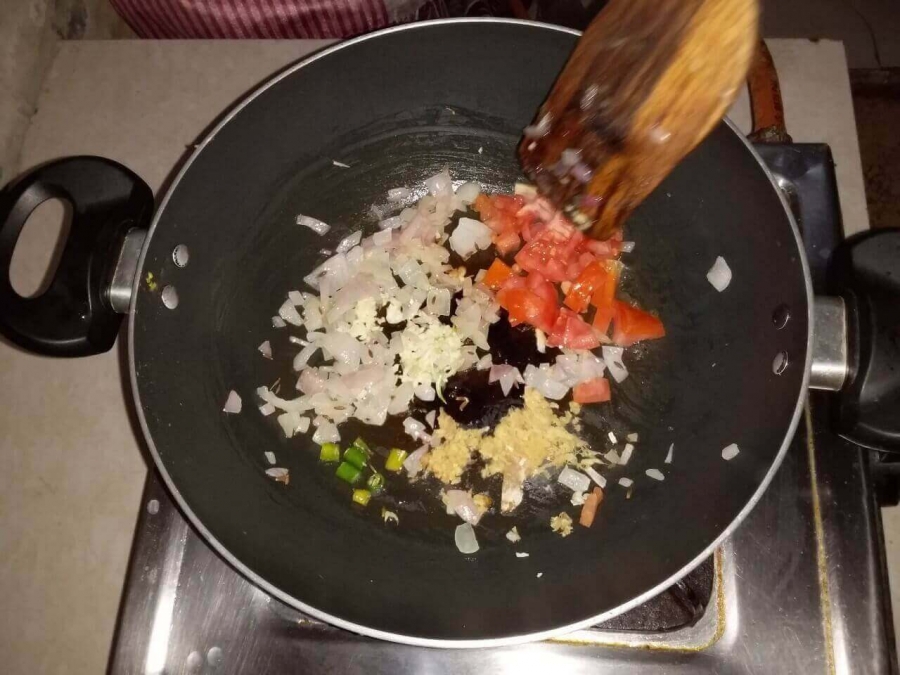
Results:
x,y
397,107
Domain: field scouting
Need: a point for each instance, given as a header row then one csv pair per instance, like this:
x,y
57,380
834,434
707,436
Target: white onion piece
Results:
x,y
468,192
626,454
612,457
266,409
469,236
668,459
381,238
632,437
296,297
270,458
233,404
311,381
612,437
440,184
278,322
484,362
513,535
463,505
465,539
278,473
424,393
626,482
719,274
413,463
265,349
303,357
314,224
289,313
526,190
540,379
413,427
612,357
521,554
540,338
390,223
291,422
596,477
349,242
627,246
655,474
574,480
429,418
401,398
326,433
730,452
399,194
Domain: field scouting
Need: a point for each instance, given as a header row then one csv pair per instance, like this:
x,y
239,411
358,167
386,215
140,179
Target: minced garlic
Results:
x,y
562,524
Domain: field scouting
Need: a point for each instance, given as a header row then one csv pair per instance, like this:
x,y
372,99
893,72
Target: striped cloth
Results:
x,y
270,19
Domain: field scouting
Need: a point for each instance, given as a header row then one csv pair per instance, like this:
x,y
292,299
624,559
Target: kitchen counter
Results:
x,y
72,464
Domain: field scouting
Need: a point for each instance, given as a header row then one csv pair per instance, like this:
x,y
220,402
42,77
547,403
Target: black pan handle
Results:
x,y
866,271
73,317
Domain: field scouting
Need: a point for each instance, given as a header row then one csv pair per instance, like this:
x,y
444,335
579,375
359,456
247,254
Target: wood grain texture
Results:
x,y
647,82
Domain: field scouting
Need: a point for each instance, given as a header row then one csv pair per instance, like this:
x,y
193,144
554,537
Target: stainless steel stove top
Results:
x,y
800,588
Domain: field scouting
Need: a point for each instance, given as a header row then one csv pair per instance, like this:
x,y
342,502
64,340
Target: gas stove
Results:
x,y
801,586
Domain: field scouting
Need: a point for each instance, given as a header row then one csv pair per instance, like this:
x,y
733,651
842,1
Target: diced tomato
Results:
x,y
631,325
603,317
589,509
538,284
507,242
526,306
605,291
592,391
592,276
610,248
514,281
484,206
571,331
497,274
510,204
542,256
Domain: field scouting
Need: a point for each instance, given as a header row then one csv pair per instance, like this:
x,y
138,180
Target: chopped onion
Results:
x,y
292,422
265,349
289,313
612,437
627,246
440,184
612,457
596,477
381,238
465,539
632,437
314,224
429,418
278,322
540,338
469,236
626,454
668,459
574,480
303,356
521,554
463,505
730,452
390,223
484,362
349,242
626,482
270,458
468,192
278,473
233,403
719,274
326,433
508,376
398,194
424,393
413,463
612,357
655,474
266,409
513,535
413,427
296,297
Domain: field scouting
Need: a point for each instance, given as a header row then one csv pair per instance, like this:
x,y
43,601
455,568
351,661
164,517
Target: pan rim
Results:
x,y
367,631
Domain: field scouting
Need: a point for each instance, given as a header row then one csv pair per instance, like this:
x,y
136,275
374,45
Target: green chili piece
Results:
x,y
395,459
348,472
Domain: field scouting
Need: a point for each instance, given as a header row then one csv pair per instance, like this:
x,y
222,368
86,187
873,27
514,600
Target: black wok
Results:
x,y
397,106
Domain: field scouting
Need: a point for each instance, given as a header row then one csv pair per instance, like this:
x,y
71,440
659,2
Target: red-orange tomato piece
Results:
x,y
526,306
610,248
484,206
507,242
603,317
497,274
592,391
605,292
592,277
631,325
589,509
571,331
538,284
511,204
540,255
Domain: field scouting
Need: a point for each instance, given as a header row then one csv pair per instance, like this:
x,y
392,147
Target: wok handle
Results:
x,y
74,316
766,105
866,271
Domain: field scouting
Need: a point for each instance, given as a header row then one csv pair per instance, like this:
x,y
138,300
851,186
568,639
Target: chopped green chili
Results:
x,y
362,445
375,482
330,452
356,456
348,472
362,497
395,459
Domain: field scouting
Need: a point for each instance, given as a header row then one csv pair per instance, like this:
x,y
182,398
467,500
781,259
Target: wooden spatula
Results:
x,y
648,80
